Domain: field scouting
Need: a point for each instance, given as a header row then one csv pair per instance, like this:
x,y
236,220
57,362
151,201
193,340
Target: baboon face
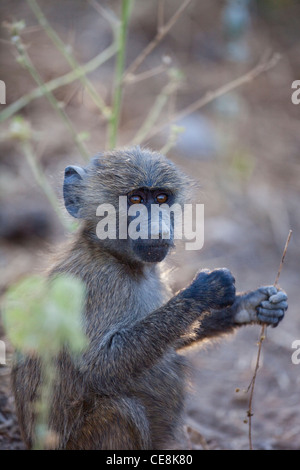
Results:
x,y
148,183
155,230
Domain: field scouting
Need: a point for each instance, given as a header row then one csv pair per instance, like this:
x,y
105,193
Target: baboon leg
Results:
x,y
113,424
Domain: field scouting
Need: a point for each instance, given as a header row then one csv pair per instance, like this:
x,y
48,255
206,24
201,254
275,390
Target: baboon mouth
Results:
x,y
152,252
158,245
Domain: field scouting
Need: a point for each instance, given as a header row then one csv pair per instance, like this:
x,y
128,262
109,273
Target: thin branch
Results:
x,y
25,61
172,140
58,82
147,74
43,182
64,50
119,70
283,256
212,95
44,437
107,14
252,384
160,15
155,111
162,32
262,337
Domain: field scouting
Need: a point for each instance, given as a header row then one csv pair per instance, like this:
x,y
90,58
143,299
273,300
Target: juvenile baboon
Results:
x,y
127,390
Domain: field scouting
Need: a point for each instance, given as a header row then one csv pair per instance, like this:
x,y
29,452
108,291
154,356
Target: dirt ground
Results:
x,y
243,149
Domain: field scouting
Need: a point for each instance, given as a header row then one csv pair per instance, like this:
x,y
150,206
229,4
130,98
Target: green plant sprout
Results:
x,y
41,318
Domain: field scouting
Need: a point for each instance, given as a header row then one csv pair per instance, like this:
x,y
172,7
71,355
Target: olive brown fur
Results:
x,y
127,390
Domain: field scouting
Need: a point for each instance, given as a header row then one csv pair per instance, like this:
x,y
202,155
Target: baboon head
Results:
x,y
116,196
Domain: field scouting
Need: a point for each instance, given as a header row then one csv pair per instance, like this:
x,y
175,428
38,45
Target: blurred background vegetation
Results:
x,y
242,146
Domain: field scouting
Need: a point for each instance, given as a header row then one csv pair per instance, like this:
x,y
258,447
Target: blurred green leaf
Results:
x,y
20,129
242,165
43,316
83,136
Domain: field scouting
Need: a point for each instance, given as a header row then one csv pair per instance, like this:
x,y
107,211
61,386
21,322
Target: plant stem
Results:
x,y
68,56
172,140
43,182
155,111
44,437
119,69
262,337
25,61
66,79
160,14
222,90
161,33
252,385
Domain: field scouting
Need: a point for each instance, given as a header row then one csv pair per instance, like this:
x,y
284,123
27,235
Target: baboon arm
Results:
x,y
119,353
117,357
211,325
266,304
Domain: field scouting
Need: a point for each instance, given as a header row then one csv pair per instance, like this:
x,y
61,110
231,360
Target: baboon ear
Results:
x,y
74,176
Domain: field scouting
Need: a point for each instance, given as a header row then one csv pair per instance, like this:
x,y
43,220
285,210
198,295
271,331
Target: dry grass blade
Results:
x,y
262,337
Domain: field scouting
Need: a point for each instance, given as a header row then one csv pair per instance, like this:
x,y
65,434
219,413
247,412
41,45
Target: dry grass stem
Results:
x,y
210,96
162,32
262,337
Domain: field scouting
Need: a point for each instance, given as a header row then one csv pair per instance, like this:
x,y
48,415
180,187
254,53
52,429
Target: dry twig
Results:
x,y
160,14
210,96
161,33
262,337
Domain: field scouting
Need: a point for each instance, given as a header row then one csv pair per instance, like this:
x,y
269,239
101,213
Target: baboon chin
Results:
x,y
151,252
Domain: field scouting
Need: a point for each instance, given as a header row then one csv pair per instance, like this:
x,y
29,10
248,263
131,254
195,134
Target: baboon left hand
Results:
x,y
264,305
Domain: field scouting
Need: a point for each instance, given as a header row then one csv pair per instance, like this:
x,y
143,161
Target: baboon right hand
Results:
x,y
214,289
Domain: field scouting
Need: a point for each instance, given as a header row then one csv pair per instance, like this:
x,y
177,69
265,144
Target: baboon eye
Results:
x,y
135,199
161,198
